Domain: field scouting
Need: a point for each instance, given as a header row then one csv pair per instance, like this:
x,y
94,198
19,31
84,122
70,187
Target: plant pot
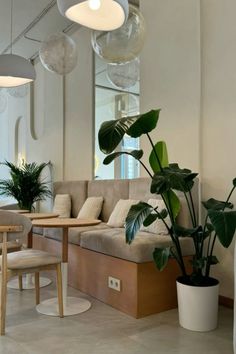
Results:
x,y
198,305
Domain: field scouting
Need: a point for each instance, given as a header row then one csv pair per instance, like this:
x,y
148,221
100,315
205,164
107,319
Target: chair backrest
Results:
x,y
8,218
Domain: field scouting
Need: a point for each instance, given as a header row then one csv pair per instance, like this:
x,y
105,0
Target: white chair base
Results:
x,y
28,282
74,306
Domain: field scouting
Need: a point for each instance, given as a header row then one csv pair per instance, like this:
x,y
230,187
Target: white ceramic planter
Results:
x,y
198,307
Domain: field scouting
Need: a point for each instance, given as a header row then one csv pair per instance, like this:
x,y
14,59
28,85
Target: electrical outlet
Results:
x,y
114,283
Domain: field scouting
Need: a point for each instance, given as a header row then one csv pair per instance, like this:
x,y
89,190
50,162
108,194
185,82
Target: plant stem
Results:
x,y
209,240
144,166
146,169
190,210
193,207
163,220
178,261
178,256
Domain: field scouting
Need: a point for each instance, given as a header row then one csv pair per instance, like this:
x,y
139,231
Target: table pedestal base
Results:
x,y
28,282
74,306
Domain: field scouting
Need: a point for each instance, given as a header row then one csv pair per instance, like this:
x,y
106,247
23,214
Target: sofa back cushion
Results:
x,y
78,192
112,191
62,205
120,212
91,209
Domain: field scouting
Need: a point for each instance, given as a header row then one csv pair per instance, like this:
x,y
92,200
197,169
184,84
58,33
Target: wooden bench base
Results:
x,y
144,290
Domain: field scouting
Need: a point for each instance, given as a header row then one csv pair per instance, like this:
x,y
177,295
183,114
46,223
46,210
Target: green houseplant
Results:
x,y
25,185
165,179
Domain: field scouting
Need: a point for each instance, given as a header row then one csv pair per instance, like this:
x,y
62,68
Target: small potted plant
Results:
x,y
25,184
197,291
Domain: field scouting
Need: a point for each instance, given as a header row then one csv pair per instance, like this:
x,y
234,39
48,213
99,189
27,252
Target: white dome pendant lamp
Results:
x,y
14,69
103,15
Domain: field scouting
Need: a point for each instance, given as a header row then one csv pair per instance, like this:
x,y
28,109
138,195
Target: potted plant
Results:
x,y
197,291
25,185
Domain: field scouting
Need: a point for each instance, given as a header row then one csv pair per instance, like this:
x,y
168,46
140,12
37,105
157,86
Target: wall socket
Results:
x,y
114,283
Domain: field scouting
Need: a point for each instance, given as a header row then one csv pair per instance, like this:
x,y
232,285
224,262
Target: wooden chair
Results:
x,y
23,262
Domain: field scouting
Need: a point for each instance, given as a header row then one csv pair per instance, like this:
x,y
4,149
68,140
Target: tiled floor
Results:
x,y
103,330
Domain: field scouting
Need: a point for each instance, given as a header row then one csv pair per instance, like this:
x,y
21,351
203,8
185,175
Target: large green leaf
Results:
x,y
160,184
112,132
173,177
213,260
162,214
150,219
135,218
161,257
172,202
144,124
136,154
179,179
224,223
216,204
181,231
160,150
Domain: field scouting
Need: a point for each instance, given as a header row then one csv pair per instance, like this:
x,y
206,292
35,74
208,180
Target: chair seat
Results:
x,y
30,259
12,246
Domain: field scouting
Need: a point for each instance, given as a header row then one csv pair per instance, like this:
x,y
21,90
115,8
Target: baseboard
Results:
x,y
226,302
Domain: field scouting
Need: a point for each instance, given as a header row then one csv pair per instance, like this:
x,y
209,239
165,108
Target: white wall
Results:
x,y
79,91
170,76
219,115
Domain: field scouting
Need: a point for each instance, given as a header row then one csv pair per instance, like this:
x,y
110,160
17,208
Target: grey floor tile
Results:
x,y
104,330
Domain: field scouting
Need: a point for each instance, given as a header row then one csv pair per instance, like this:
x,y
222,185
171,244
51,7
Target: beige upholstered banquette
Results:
x,y
107,247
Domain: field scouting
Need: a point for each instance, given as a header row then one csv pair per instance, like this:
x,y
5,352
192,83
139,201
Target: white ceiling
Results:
x,y
24,12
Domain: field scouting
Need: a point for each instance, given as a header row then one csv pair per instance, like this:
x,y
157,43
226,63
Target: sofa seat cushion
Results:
x,y
112,242
74,232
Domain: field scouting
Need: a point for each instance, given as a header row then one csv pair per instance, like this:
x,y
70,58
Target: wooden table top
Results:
x,y
65,222
37,216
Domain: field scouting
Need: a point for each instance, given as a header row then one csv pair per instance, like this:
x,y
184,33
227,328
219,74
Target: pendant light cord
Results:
x,y
11,23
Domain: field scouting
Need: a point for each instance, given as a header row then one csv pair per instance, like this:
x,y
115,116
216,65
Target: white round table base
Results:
x,y
28,283
74,306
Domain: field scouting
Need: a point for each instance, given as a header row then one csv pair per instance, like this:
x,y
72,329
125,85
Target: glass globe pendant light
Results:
x,y
14,69
103,15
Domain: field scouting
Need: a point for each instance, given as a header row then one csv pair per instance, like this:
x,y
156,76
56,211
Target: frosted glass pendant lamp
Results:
x,y
14,69
103,15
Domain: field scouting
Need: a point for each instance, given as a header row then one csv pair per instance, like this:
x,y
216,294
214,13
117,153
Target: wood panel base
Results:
x,y
144,290
226,302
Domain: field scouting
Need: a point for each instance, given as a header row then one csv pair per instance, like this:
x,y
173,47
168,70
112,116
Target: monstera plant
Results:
x,y
25,184
165,179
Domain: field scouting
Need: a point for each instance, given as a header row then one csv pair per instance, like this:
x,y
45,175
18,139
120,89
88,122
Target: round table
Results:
x,y
18,211
28,279
72,305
